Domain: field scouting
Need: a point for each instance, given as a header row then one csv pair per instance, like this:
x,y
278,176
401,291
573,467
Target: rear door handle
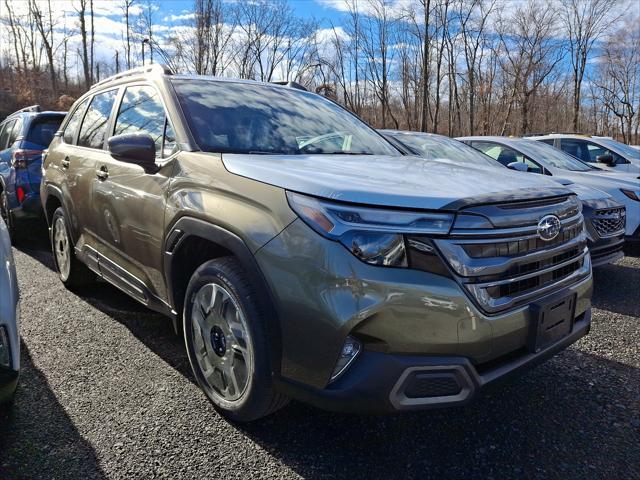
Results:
x,y
103,173
66,162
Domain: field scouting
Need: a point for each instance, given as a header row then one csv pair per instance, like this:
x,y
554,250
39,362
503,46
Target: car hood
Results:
x,y
603,181
401,181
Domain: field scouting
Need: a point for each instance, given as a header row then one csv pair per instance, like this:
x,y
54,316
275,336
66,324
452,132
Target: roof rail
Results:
x,y
154,68
291,85
31,108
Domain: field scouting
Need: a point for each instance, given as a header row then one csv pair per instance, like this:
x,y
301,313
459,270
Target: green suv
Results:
x,y
301,254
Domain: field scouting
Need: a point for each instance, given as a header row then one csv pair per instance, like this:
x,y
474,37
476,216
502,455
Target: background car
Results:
x,y
600,151
604,217
24,135
9,317
543,159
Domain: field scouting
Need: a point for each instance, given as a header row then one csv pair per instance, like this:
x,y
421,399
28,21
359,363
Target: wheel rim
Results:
x,y
222,344
61,247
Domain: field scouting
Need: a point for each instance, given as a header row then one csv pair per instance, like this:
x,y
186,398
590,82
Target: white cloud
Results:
x,y
182,16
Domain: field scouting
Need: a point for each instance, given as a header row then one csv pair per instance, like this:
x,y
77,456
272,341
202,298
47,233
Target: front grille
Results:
x,y
510,265
609,222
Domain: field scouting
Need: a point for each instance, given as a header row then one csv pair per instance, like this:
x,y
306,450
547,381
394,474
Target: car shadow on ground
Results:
x,y
616,288
37,438
542,425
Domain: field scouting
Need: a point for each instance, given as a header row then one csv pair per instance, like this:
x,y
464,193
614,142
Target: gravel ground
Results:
x,y
106,392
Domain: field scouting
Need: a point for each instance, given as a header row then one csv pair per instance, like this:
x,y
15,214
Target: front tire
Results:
x,y
71,271
226,340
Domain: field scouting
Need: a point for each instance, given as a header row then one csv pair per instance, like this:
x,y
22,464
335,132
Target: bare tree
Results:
x,y
585,22
532,52
44,24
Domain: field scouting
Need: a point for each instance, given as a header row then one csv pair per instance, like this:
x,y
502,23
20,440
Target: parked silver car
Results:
x,y
9,318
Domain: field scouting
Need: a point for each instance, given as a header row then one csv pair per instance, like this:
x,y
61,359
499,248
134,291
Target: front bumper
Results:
x,y
383,383
322,294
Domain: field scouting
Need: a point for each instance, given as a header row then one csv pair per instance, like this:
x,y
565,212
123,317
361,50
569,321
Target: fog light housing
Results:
x,y
348,354
5,353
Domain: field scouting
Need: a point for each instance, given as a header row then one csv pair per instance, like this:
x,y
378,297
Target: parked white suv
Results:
x,y
602,152
543,159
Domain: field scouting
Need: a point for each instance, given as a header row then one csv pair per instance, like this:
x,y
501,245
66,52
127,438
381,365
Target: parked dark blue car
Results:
x,y
23,137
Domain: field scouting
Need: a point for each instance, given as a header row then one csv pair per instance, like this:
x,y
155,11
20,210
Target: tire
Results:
x,y
226,339
71,271
5,213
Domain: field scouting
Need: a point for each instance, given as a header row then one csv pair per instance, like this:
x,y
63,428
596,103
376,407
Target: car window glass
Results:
x,y
237,117
141,111
596,150
15,132
506,155
42,130
94,125
548,141
4,134
576,148
73,123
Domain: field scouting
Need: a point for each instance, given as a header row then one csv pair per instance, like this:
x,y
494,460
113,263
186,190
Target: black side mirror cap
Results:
x,y
135,148
607,159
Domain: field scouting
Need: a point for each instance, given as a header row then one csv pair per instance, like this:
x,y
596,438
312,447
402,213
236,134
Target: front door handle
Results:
x,y
103,173
66,163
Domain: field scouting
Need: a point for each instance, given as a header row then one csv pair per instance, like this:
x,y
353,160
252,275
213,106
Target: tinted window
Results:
x,y
141,111
94,125
553,156
4,134
15,131
73,123
548,141
254,118
575,148
42,129
622,148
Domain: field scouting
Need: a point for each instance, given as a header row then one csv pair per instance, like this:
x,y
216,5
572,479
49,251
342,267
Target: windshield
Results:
x,y
553,156
437,147
235,117
621,148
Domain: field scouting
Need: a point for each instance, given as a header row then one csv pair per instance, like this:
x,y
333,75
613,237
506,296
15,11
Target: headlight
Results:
x,y
374,235
632,194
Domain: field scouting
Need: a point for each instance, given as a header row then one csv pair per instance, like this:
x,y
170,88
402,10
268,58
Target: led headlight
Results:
x,y
374,235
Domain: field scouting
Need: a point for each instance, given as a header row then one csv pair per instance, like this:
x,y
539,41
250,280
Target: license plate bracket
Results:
x,y
551,321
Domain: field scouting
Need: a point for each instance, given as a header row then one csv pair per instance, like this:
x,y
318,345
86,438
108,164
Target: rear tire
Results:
x,y
226,339
71,271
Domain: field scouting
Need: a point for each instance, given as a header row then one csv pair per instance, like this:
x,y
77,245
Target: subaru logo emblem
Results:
x,y
549,227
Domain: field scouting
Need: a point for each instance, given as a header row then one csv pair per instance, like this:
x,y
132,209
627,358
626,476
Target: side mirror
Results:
x,y
136,148
607,159
518,166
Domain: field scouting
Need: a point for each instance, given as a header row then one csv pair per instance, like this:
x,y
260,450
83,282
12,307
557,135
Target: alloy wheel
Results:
x,y
61,248
222,344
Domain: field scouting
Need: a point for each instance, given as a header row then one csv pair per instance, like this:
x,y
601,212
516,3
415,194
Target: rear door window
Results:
x,y
42,130
94,126
71,128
